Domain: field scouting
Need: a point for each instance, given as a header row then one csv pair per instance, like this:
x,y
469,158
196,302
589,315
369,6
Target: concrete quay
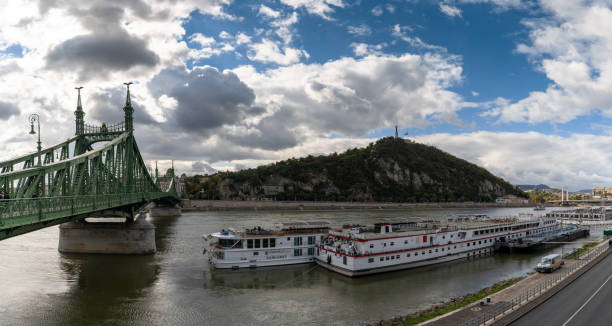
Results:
x,y
254,205
471,314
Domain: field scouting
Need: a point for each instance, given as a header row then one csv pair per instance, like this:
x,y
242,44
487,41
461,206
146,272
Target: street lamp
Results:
x,y
36,118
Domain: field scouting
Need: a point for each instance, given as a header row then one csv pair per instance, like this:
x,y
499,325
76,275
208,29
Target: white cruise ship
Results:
x,y
383,247
288,243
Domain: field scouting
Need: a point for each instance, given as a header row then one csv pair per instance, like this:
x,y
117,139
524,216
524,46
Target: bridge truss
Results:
x,y
73,180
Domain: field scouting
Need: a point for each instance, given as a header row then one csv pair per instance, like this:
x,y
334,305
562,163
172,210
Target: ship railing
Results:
x,y
501,309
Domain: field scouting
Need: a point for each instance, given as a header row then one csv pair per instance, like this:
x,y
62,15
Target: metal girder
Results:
x,y
111,179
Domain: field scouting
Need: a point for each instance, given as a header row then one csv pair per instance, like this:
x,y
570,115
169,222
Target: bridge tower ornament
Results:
x,y
128,109
79,114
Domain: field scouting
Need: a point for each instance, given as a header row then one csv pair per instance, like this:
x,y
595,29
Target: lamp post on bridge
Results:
x,y
36,118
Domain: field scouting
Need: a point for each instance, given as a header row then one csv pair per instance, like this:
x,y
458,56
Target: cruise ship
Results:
x,y
384,247
287,243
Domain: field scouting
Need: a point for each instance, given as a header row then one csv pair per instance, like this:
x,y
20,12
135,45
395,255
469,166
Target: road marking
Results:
x,y
587,302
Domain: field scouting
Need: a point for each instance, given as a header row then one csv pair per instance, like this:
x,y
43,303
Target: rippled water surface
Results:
x,y
177,287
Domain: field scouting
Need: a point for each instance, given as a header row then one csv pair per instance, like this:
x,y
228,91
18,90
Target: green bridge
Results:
x,y
99,172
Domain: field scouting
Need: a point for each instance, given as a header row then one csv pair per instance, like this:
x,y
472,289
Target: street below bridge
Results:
x,y
586,301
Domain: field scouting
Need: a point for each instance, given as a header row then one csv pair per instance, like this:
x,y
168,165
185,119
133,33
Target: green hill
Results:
x,y
387,170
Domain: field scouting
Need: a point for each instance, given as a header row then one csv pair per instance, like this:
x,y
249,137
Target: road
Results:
x,y
586,301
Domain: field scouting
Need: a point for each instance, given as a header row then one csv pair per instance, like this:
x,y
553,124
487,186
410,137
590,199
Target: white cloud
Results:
x,y
321,8
363,49
377,11
355,96
268,12
533,157
503,5
201,39
414,41
450,10
390,8
242,38
361,30
269,51
571,48
225,35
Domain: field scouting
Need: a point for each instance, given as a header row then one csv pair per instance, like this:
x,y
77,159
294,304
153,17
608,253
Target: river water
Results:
x,y
176,286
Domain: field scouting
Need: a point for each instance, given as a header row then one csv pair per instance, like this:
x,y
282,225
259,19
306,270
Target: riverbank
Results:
x,y
451,305
465,308
255,205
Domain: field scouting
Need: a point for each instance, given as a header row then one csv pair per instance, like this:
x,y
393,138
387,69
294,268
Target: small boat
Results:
x,y
539,208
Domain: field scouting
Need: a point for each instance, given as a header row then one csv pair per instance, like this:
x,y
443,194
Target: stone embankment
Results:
x,y
250,205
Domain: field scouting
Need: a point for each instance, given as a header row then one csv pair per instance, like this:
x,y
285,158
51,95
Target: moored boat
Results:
x,y
383,247
287,243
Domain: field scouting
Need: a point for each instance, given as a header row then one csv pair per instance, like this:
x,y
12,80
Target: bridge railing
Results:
x,y
45,208
90,129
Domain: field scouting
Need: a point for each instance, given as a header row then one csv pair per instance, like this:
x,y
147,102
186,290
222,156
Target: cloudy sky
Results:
x,y
523,88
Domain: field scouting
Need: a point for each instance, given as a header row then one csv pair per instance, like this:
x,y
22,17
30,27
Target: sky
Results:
x,y
522,88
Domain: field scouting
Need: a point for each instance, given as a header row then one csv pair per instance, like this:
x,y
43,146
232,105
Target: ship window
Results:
x,y
423,253
272,243
250,243
468,244
288,238
474,243
405,241
397,256
430,251
344,260
479,242
416,253
382,258
255,253
297,241
310,251
387,258
370,260
442,249
451,235
257,243
311,240
408,255
454,247
443,237
265,243
436,250
391,242
371,245
392,257
297,252
385,244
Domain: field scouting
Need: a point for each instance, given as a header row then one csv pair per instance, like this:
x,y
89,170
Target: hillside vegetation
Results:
x,y
387,170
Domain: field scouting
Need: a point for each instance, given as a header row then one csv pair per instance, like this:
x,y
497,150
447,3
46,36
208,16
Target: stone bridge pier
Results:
x,y
108,236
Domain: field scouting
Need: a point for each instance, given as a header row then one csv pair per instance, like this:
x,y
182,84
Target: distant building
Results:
x,y
601,192
272,190
511,199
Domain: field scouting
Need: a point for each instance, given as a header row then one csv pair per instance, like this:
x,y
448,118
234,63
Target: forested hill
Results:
x,y
387,170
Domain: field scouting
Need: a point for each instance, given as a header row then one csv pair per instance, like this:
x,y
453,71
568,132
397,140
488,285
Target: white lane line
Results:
x,y
587,302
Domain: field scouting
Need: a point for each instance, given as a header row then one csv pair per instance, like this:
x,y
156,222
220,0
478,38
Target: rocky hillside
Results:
x,y
388,170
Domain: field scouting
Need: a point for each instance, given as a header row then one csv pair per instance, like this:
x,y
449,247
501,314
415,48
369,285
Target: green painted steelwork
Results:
x,y
109,180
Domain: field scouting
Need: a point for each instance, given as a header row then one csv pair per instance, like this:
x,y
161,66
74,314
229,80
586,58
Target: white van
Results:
x,y
549,263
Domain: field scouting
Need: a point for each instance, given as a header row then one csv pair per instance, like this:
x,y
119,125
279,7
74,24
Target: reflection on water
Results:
x,y
176,285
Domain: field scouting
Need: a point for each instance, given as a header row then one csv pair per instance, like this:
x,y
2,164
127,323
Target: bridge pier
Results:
x,y
122,238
